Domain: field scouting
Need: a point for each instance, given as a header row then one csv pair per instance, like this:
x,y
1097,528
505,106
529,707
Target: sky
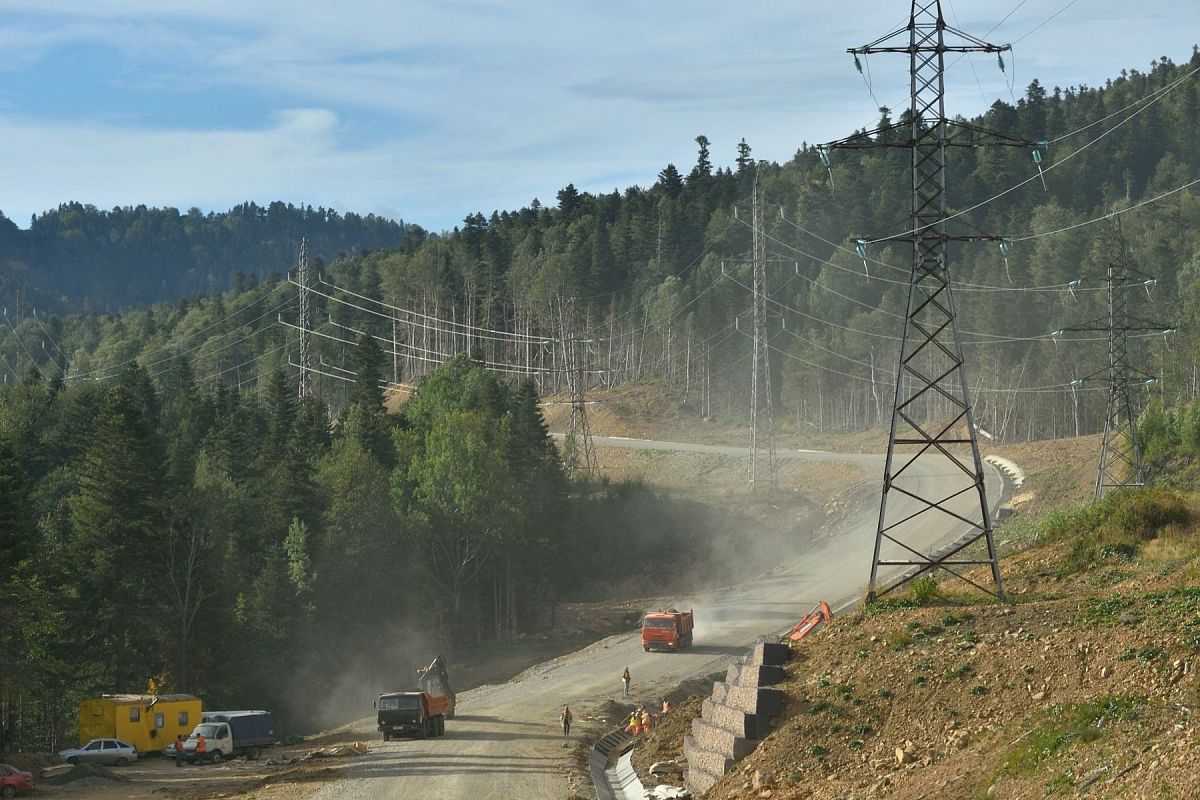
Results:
x,y
429,110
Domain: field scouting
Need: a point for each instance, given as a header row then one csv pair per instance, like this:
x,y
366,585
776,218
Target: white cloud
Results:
x,y
436,109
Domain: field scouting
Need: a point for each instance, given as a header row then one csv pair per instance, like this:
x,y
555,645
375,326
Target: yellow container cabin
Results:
x,y
149,722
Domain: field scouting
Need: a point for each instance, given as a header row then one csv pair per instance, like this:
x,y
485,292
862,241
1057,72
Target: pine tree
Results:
x,y
671,181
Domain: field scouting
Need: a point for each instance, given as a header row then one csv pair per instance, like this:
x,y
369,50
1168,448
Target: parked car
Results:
x,y
14,781
101,751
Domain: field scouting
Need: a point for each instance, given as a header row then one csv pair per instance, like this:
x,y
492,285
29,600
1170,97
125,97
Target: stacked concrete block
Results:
x,y
736,717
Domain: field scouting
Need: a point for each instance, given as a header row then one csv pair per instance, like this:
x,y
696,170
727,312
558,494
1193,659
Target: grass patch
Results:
x,y
1065,725
1116,529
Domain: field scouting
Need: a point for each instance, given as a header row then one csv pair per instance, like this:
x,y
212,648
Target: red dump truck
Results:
x,y
667,630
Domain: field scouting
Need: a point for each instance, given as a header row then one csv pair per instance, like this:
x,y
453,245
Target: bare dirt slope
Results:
x,y
1086,686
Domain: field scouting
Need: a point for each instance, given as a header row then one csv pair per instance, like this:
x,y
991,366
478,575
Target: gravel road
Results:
x,y
506,742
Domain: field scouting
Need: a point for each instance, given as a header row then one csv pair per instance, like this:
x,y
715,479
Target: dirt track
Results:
x,y
506,743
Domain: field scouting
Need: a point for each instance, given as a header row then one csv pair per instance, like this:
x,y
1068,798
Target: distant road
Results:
x,y
506,742
627,443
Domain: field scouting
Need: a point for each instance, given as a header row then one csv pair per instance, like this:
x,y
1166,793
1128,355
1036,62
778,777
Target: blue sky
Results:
x,y
428,111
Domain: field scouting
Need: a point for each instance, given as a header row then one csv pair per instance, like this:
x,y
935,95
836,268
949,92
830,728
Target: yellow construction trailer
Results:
x,y
149,722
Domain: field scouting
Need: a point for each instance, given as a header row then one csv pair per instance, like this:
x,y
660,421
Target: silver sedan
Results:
x,y
101,751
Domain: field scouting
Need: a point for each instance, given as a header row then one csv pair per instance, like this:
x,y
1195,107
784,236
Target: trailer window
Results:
x,y
183,719
135,713
160,720
659,623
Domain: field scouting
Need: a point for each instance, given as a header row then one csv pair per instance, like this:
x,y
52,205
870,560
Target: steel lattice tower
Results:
x,y
932,430
762,421
1120,450
582,450
302,278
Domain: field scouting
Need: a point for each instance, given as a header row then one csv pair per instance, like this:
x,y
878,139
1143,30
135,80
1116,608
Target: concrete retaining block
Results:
x,y
771,653
753,675
707,760
749,699
699,780
734,720
719,740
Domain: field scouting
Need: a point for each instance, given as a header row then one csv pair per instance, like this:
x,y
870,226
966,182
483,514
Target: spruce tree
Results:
x,y
117,522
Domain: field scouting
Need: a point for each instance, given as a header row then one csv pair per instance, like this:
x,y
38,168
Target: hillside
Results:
x,y
1085,684
80,258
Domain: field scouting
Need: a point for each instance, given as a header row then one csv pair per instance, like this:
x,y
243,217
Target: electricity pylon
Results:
x,y
302,278
581,450
1120,451
762,420
932,427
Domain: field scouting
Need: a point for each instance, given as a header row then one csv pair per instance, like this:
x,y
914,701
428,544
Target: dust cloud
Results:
x,y
331,687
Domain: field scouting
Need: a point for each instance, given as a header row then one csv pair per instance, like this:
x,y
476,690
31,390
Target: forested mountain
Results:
x,y
655,279
77,257
175,516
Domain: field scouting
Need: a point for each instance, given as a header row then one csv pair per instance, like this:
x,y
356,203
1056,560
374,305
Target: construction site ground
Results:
x,y
839,679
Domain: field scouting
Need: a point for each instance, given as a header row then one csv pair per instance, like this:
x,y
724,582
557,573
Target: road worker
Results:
x,y
565,718
201,748
625,681
645,720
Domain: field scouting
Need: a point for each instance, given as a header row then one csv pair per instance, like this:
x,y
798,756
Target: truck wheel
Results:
x,y
450,713
387,737
645,648
441,726
216,757
253,753
423,731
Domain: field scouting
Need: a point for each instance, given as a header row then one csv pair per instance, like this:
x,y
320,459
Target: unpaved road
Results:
x,y
506,743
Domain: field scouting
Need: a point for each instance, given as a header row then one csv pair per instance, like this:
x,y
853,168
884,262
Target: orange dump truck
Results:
x,y
667,630
417,714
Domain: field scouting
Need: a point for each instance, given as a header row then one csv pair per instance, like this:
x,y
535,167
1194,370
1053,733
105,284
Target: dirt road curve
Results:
x,y
506,743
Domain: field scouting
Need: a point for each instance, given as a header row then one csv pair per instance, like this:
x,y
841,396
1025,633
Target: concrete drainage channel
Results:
x,y
611,768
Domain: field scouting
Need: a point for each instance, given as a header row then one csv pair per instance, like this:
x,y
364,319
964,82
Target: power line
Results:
x,y
110,368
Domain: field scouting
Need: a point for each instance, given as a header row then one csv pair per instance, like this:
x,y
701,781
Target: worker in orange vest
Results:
x,y
645,720
201,747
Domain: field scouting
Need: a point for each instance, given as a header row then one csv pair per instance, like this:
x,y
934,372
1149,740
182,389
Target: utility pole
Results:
x,y
302,278
932,423
1120,450
762,422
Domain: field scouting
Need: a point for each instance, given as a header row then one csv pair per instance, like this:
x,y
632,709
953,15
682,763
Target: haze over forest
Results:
x,y
168,424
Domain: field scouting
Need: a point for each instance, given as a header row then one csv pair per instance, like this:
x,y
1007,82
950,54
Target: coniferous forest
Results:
x,y
171,514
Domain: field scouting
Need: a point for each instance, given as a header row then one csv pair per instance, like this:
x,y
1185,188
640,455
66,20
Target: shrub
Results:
x,y
1115,528
924,590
